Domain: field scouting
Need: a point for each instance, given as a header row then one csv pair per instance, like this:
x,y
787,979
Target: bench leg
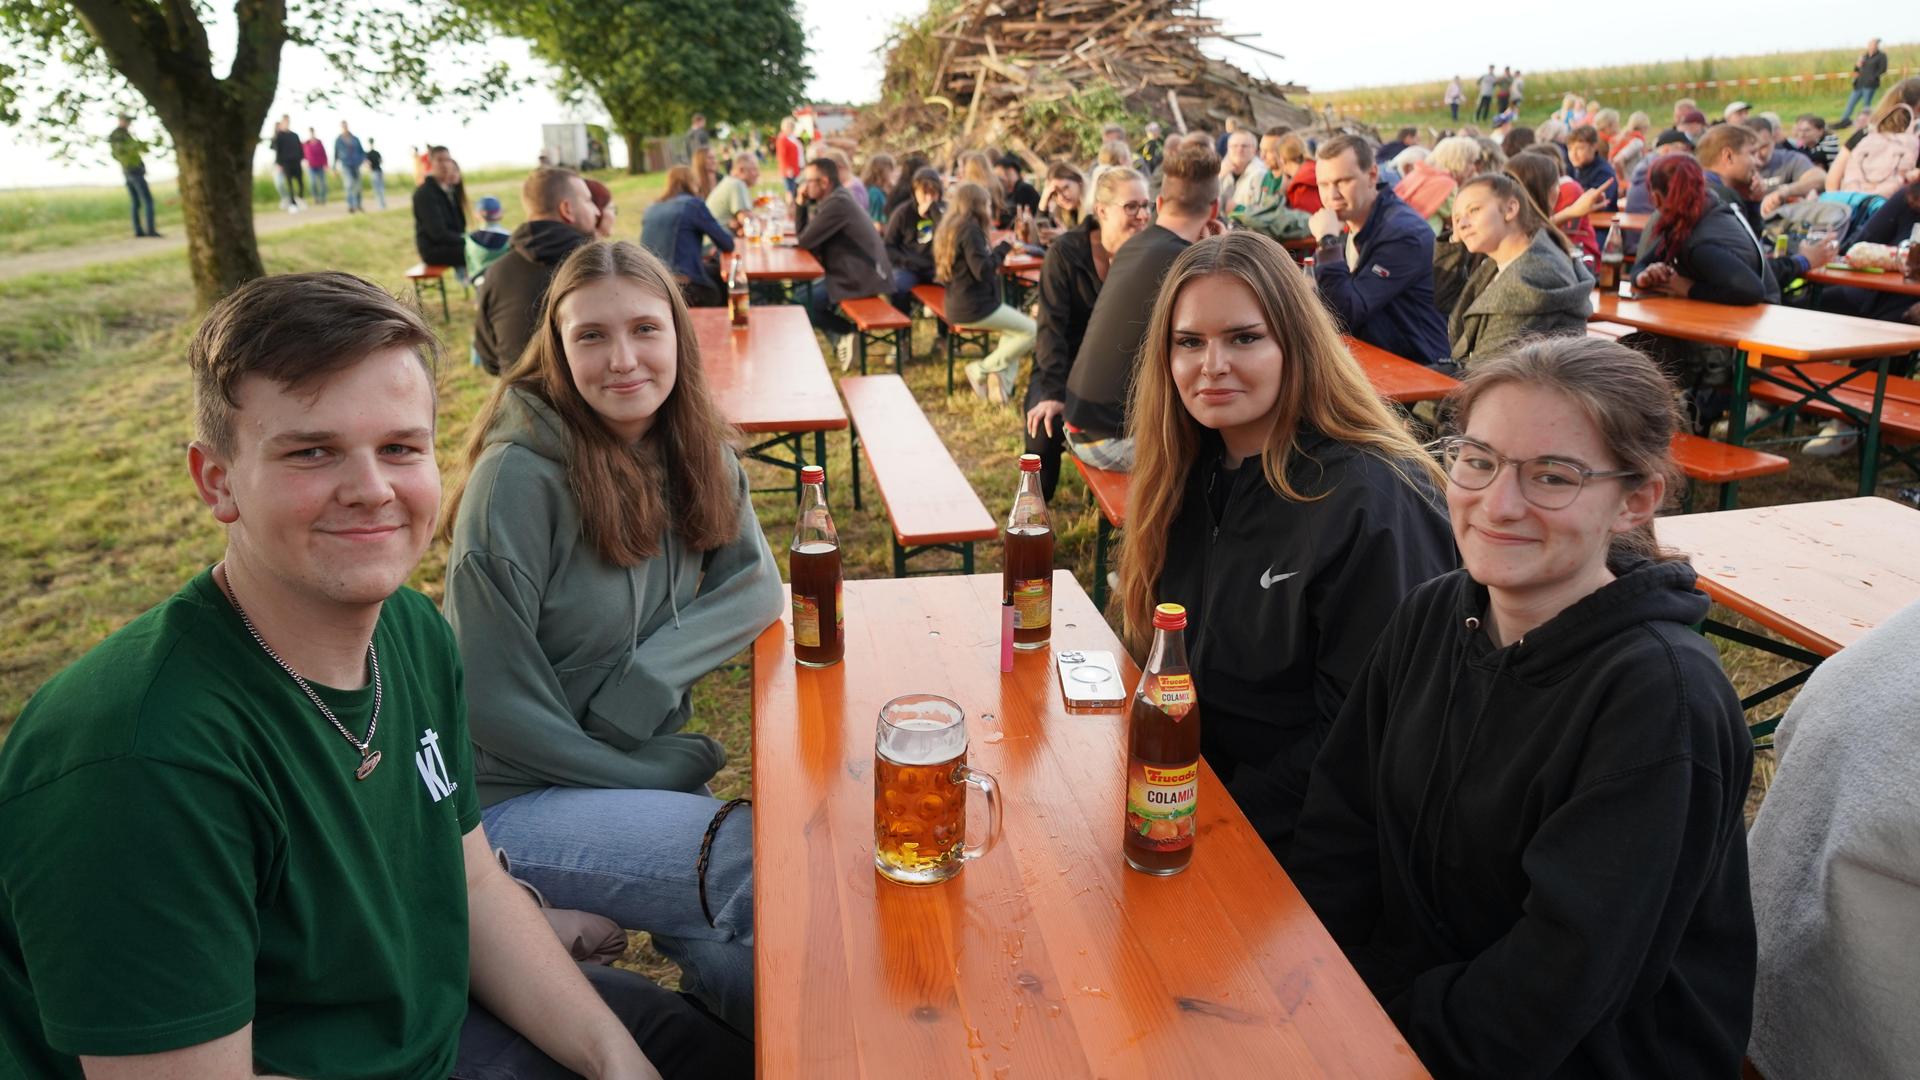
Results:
x,y
446,313
853,463
1729,497
1870,440
1737,419
866,342
949,361
1100,538
900,351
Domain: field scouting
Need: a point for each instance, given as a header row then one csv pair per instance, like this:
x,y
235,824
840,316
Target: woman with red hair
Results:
x,y
1696,246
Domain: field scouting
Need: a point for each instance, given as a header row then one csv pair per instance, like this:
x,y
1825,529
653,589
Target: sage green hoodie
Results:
x,y
578,671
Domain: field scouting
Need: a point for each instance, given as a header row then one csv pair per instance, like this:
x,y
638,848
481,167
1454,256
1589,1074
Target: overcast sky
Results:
x,y
1401,41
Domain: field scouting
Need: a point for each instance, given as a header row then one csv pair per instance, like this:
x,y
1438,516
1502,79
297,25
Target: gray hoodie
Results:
x,y
1544,291
578,671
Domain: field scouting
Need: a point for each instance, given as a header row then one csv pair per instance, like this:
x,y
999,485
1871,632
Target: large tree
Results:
x,y
64,60
653,63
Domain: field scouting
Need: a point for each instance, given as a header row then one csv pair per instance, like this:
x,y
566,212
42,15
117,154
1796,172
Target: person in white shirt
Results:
x,y
1241,172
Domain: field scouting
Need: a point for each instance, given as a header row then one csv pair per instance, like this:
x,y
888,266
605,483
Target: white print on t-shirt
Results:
x,y
433,767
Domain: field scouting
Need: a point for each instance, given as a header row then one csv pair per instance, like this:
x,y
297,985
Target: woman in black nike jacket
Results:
x,y
1525,829
1280,501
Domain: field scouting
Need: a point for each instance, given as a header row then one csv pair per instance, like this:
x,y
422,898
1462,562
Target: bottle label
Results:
x,y
806,621
1172,694
1161,800
1032,603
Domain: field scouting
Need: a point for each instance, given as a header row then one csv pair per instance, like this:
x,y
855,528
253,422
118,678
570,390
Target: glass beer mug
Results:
x,y
920,779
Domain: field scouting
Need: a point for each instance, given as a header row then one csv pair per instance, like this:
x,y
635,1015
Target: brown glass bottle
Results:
x,y
1028,575
1163,754
813,567
737,299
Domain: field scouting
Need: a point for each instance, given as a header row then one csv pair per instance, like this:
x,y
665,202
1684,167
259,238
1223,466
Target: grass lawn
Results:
x,y
101,520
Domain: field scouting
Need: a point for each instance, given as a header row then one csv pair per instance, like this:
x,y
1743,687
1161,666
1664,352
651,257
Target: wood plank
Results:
x,y
927,497
1398,379
775,262
768,376
1047,957
1819,574
1860,279
1772,333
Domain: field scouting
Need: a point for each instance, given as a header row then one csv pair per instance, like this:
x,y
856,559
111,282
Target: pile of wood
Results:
x,y
992,60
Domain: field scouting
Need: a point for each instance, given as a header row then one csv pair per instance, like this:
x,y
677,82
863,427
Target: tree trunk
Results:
x,y
216,198
636,153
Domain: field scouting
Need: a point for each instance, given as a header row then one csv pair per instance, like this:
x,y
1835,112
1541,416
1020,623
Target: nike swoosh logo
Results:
x,y
1269,577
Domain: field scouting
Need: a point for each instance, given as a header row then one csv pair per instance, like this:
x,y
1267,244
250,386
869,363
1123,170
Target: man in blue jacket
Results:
x,y
350,156
1374,265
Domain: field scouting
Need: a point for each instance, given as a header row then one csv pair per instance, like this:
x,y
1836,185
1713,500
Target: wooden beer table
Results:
x,y
1861,279
1047,957
769,378
1398,379
1602,220
1819,574
777,262
1772,336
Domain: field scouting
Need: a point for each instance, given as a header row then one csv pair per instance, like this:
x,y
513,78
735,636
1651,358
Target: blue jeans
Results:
x,y
1859,99
352,184
136,178
824,314
632,856
317,180
380,188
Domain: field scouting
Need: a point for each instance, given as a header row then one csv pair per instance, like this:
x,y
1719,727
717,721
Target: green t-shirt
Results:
x,y
126,149
187,850
729,197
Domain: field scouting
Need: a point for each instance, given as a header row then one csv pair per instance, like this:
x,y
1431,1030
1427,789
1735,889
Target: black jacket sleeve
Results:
x,y
1052,352
898,232
1723,274
982,262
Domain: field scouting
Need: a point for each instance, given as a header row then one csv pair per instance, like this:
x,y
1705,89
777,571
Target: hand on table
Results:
x,y
1820,254
1654,278
1045,415
1323,223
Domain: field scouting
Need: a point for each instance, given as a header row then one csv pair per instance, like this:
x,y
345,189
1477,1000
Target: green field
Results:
x,y
1419,104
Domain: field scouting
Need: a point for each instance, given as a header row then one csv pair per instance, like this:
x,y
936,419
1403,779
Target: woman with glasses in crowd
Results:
x,y
1278,499
1525,829
1070,280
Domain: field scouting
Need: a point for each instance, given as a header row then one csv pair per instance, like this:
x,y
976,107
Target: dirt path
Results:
x,y
266,219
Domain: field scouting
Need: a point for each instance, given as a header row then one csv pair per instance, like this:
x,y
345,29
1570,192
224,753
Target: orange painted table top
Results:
x,y
1604,219
1771,334
1820,574
777,262
769,375
1397,378
1047,957
1882,282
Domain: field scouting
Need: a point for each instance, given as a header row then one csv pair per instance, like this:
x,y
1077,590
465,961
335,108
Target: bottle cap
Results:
x,y
1169,617
1029,462
812,474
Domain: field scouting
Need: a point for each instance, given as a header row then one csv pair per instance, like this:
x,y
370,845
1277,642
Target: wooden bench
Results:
x,y
934,299
1110,495
874,321
1611,330
928,500
1899,413
1706,461
420,272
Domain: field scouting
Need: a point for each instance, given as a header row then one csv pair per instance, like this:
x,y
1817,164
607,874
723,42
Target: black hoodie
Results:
x,y
1535,855
515,287
1285,598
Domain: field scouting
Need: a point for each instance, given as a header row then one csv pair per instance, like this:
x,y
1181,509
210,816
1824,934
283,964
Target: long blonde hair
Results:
x,y
966,203
678,476
976,169
1322,389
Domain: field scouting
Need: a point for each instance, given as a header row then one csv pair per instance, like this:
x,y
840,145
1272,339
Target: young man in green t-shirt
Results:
x,y
241,834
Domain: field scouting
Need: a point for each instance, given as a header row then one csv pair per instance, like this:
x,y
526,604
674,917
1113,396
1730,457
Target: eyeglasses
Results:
x,y
1548,483
1132,209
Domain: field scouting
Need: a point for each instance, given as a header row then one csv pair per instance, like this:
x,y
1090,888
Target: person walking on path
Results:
x,y
379,177
1485,108
1503,89
290,159
1455,95
315,153
1517,91
350,156
1867,72
127,151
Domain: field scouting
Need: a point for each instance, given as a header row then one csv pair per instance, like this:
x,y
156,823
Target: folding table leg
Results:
x,y
966,557
949,361
1870,443
900,352
853,463
1100,535
1737,419
446,313
899,559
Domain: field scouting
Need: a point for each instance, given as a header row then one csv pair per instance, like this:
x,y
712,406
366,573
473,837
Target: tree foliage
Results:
x,y
653,63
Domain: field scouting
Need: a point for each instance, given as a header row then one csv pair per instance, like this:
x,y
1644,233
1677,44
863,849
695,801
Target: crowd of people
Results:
x,y
1454,686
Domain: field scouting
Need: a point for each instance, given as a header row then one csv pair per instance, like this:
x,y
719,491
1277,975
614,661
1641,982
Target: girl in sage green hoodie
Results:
x,y
605,556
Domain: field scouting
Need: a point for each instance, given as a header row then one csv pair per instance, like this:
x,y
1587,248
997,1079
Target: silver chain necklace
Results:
x,y
369,758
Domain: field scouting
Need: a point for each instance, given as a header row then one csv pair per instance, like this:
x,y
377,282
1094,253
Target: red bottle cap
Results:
x,y
1029,462
1169,617
812,474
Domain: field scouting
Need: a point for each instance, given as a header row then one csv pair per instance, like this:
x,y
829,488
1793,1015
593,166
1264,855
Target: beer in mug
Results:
x,y
1163,753
1028,577
813,566
737,299
920,781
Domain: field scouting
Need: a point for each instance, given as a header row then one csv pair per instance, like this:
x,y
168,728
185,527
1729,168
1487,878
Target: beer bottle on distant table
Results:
x,y
1028,577
813,565
1613,257
737,290
1163,753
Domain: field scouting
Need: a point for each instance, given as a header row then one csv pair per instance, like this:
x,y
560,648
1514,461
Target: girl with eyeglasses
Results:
x,y
1279,500
1070,280
1525,829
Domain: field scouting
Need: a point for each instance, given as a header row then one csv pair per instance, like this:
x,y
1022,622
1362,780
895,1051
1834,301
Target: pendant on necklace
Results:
x,y
367,764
